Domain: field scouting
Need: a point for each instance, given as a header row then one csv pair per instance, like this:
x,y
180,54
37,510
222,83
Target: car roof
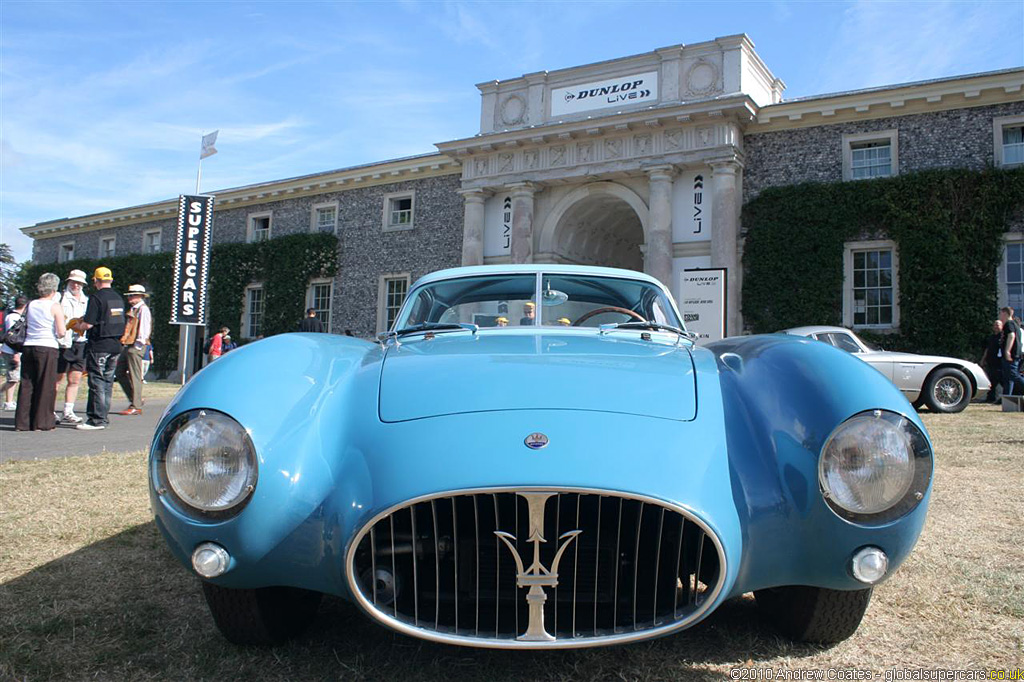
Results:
x,y
533,268
814,329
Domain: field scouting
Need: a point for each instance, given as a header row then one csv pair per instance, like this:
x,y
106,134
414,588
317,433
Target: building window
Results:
x,y
319,297
325,217
870,155
66,252
259,227
393,290
1012,273
1008,140
151,241
398,211
107,247
252,317
871,296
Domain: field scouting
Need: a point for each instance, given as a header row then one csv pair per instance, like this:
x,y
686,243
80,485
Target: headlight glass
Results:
x,y
875,462
209,462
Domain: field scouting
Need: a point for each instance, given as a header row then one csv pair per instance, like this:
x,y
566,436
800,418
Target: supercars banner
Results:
x,y
192,259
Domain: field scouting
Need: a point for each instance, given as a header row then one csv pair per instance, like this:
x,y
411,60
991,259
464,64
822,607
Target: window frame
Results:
x,y
314,225
386,217
113,246
998,124
382,296
159,240
890,136
849,248
249,226
60,252
330,299
246,311
1002,283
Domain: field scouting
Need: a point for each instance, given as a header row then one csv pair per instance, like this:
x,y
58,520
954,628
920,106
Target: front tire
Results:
x,y
268,615
947,390
814,614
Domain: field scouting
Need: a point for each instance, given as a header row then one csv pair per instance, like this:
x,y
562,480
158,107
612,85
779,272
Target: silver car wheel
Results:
x,y
948,391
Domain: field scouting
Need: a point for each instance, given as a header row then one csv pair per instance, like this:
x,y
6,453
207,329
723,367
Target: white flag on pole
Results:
x,y
208,149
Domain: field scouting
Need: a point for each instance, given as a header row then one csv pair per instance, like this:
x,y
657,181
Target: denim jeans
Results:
x,y
1012,382
101,367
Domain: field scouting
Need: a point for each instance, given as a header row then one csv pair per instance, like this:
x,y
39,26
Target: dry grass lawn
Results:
x,y
88,591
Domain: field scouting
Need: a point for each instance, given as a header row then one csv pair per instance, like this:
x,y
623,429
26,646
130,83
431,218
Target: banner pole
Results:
x,y
186,355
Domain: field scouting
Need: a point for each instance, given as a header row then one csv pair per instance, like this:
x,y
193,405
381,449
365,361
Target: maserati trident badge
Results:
x,y
536,441
536,577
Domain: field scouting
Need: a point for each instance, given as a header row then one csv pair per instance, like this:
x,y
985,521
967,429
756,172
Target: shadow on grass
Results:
x,y
123,608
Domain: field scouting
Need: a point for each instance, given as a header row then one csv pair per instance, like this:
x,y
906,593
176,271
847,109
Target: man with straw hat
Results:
x,y
137,331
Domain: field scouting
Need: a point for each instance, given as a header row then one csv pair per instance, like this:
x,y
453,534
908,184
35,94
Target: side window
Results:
x,y
844,342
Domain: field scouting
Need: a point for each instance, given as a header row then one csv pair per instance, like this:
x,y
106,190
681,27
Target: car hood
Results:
x,y
515,370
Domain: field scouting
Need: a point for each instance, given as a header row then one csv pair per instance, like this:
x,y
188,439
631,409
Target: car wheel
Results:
x,y
947,390
814,614
267,615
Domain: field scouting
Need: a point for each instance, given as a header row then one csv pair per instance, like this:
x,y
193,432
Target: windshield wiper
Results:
x,y
428,326
645,324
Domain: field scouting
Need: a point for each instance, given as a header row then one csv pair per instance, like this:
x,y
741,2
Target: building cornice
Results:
x,y
984,89
383,173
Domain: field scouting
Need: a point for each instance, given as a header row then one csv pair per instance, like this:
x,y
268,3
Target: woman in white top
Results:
x,y
71,360
44,320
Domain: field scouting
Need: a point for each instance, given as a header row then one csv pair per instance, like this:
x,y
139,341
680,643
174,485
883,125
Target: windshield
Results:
x,y
511,301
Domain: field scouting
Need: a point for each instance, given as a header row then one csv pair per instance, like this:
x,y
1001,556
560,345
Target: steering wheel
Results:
x,y
608,309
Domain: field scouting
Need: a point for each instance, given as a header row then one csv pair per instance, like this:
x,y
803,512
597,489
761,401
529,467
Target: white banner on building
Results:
x,y
606,94
702,302
497,225
691,206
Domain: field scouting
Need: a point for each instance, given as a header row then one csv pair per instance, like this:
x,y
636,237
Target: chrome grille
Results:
x,y
436,567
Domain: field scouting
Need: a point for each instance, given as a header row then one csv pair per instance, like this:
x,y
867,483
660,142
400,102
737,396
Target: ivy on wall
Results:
x,y
283,265
947,226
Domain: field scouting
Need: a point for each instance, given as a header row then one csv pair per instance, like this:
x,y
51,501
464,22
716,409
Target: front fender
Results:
x,y
782,397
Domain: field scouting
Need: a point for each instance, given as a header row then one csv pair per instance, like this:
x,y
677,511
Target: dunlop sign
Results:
x,y
623,91
702,302
192,259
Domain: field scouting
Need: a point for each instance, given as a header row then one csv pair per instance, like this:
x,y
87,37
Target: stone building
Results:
x,y
640,162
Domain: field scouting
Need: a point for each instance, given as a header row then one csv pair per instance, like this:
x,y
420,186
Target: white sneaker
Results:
x,y
70,418
90,427
10,407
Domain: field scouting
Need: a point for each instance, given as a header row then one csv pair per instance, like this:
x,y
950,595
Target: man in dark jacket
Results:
x,y
991,361
103,325
310,323
1011,343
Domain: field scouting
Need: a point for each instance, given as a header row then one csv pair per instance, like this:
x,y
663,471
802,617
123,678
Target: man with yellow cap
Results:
x,y
103,325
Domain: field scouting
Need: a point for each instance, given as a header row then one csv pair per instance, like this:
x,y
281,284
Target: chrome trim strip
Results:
x,y
567,643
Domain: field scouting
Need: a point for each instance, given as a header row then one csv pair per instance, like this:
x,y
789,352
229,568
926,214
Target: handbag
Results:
x,y
14,338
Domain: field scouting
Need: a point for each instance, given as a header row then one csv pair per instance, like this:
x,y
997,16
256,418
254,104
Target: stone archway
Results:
x,y
602,223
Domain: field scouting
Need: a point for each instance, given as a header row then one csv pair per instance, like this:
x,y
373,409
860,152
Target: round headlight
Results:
x,y
872,463
210,463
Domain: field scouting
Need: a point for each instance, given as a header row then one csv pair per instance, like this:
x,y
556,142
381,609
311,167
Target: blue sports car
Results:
x,y
539,456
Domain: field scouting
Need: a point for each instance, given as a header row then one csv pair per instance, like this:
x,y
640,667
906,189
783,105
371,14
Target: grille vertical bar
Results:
x,y
657,573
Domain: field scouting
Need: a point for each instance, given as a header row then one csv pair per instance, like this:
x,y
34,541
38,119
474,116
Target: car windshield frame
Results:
x,y
660,295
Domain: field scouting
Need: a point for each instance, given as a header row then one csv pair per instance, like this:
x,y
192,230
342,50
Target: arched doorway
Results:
x,y
598,224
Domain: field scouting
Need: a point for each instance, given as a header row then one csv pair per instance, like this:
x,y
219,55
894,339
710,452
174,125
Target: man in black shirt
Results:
x,y
103,325
991,361
1011,347
310,323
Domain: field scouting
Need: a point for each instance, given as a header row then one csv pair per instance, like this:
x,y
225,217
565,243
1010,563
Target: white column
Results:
x,y
658,246
725,218
473,227
521,247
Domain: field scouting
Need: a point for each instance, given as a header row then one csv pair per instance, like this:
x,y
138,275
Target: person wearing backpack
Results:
x,y
44,320
1013,384
11,358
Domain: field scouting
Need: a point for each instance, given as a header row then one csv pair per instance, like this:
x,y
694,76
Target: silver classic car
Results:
x,y
943,384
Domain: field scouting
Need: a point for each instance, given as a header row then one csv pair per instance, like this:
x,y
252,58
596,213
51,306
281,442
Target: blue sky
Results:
x,y
102,105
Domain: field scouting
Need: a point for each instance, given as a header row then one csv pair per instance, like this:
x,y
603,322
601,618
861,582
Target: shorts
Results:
x,y
71,359
11,368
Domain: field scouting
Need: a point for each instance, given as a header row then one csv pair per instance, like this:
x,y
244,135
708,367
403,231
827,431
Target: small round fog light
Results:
x,y
210,560
869,565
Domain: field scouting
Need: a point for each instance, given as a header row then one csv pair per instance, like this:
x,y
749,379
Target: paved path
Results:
x,y
125,434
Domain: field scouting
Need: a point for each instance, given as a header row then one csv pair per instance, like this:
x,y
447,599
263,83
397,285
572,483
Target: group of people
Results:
x,y
66,335
1002,357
